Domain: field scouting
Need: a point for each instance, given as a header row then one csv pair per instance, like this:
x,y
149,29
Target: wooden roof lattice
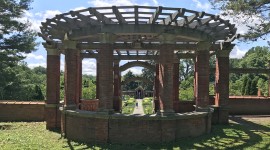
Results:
x,y
136,29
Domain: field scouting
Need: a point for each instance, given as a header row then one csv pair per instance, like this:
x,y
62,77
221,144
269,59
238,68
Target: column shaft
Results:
x,y
52,114
202,79
116,85
72,59
176,87
97,79
166,59
105,73
222,88
156,84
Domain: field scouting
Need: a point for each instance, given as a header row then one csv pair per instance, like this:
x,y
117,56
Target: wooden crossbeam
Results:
x,y
100,17
136,14
84,18
118,15
154,17
173,17
118,52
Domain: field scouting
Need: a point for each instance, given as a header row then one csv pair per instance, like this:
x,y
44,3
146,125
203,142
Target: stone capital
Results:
x,y
70,44
226,46
107,38
223,53
51,51
166,38
203,45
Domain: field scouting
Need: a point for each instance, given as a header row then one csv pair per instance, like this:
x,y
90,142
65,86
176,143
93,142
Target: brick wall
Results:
x,y
91,127
249,106
238,105
21,111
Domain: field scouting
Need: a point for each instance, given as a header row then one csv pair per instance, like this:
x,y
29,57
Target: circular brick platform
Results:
x,y
93,127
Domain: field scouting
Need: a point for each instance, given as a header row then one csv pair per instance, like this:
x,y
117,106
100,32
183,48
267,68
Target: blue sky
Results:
x,y
42,9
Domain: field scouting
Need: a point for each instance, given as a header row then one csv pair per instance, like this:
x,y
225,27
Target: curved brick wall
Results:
x,y
91,127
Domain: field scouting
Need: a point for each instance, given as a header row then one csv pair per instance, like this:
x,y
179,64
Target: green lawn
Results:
x,y
239,134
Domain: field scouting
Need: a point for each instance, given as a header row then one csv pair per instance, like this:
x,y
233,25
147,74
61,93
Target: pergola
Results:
x,y
111,34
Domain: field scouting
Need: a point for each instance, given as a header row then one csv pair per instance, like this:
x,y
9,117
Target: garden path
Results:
x,y
138,110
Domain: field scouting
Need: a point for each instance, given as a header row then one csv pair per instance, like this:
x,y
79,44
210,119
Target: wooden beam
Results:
x,y
100,17
154,17
118,15
136,14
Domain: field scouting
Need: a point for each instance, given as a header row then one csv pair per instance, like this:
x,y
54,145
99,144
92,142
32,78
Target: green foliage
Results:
x,y
131,85
186,91
149,75
128,106
148,105
88,87
256,57
15,39
248,10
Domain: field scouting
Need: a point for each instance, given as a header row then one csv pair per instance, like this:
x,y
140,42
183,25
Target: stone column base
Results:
x,y
52,116
117,103
105,111
164,113
220,115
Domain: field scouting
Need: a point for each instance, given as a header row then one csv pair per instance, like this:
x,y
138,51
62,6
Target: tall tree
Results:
x,y
131,85
248,10
15,38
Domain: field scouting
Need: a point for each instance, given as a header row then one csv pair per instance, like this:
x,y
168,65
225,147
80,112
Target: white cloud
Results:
x,y
134,70
242,21
33,56
89,66
37,65
37,18
237,52
205,6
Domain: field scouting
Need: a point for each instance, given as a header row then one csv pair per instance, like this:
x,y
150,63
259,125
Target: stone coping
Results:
x,y
92,114
22,102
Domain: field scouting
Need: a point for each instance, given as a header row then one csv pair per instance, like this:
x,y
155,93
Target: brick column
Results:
x,y
156,94
222,83
194,81
202,77
52,114
105,73
176,87
116,86
269,80
80,78
72,59
97,79
166,65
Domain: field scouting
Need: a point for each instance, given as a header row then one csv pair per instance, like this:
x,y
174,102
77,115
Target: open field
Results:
x,y
243,132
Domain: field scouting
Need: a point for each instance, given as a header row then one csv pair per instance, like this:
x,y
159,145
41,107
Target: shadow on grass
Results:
x,y
239,135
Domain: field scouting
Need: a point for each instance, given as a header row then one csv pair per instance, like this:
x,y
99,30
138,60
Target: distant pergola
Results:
x,y
111,34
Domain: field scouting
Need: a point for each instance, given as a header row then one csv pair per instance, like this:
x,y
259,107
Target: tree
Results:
x,y
149,75
131,85
248,10
15,38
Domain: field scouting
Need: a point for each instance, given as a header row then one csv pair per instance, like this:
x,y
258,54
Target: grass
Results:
x,y
147,105
128,106
239,134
